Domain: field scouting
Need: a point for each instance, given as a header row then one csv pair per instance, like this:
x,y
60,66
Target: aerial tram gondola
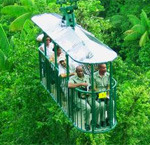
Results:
x,y
80,48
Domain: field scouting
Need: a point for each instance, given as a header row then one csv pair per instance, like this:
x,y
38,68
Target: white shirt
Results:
x,y
63,70
49,49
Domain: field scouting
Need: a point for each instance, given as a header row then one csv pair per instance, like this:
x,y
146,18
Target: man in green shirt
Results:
x,y
101,82
84,101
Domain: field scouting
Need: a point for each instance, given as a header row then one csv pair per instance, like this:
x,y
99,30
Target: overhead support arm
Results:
x,y
68,11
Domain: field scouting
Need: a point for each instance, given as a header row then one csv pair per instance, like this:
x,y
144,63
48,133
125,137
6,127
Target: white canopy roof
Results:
x,y
81,45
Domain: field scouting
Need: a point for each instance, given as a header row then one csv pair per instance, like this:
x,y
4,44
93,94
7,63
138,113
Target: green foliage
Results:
x,y
27,2
2,60
134,20
144,54
18,23
4,43
28,115
116,20
133,35
133,104
11,10
144,19
23,12
144,39
28,31
4,50
139,30
87,16
8,2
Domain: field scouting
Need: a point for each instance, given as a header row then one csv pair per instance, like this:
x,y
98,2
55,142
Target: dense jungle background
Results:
x,y
28,115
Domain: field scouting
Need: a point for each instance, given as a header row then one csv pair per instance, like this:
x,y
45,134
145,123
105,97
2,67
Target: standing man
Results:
x,y
102,81
80,80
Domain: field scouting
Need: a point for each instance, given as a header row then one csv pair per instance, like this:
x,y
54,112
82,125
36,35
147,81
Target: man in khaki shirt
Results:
x,y
80,80
101,82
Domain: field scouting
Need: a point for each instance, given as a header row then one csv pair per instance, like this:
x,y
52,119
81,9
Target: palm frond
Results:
x,y
18,23
14,10
132,36
144,19
139,28
143,39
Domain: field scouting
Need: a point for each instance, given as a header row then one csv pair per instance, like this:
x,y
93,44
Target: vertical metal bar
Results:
x,y
59,88
46,73
49,73
93,98
40,65
55,50
45,62
71,106
45,51
67,63
115,103
110,95
56,74
80,117
68,98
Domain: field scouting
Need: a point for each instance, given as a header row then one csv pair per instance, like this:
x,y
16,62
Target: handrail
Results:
x,y
89,92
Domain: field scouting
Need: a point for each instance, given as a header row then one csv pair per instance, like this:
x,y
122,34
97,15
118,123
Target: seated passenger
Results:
x,y
80,80
49,47
102,81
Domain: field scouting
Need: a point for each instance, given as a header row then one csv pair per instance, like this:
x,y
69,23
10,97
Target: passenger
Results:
x,y
63,68
63,74
101,81
49,47
60,54
81,81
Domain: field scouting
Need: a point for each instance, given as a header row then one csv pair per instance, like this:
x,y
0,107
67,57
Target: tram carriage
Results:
x,y
80,48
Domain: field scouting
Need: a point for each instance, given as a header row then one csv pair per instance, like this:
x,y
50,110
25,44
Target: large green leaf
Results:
x,y
14,10
132,36
4,43
143,39
28,3
134,20
144,19
18,23
139,29
27,30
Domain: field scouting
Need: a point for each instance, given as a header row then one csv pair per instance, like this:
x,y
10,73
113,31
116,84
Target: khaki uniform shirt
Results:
x,y
75,79
101,83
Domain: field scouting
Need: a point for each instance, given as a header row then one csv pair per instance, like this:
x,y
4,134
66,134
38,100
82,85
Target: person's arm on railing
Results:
x,y
72,85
